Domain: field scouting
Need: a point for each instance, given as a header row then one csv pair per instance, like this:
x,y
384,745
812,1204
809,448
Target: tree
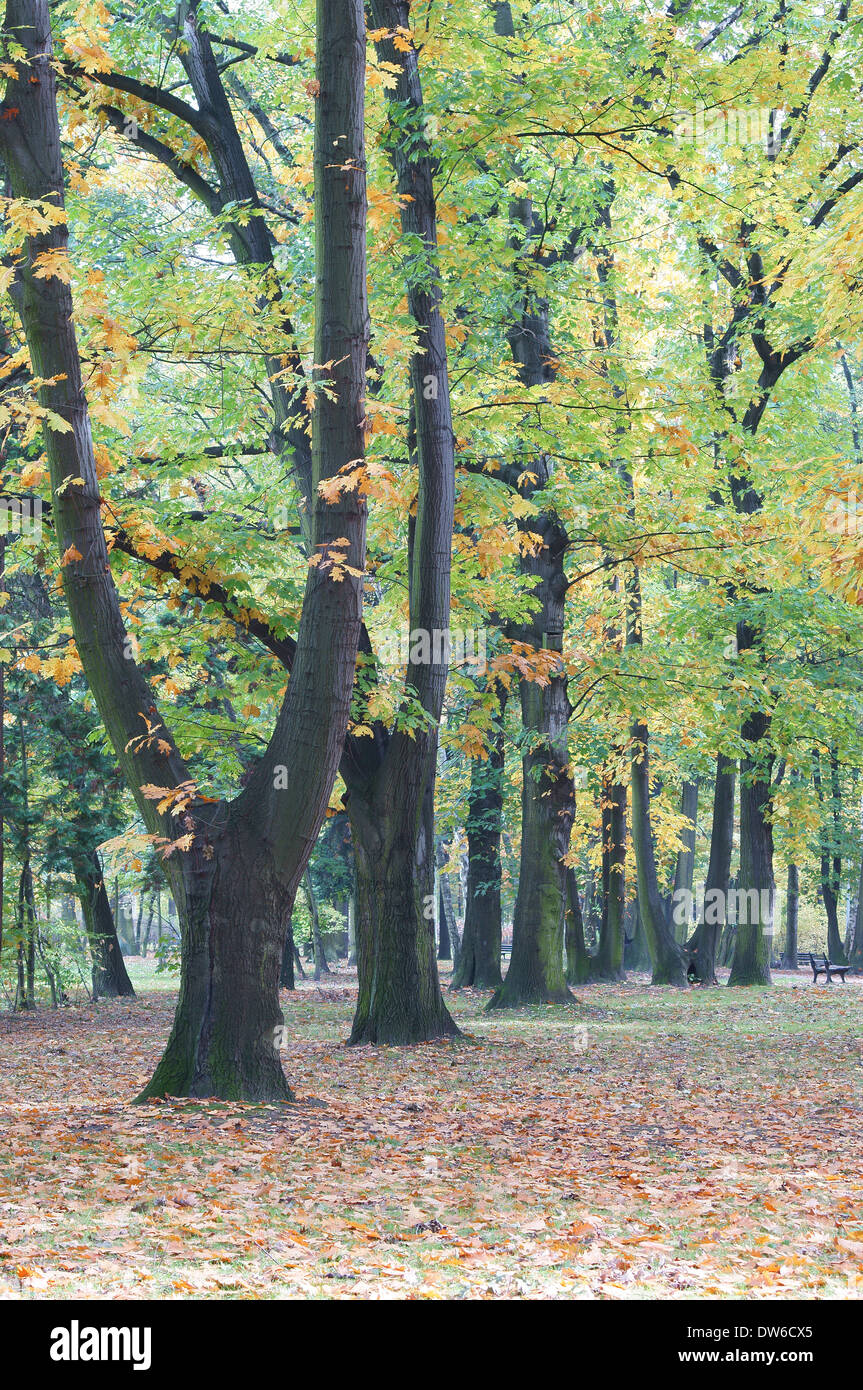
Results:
x,y
235,867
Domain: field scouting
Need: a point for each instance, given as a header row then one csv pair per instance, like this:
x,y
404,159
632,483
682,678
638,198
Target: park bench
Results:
x,y
822,966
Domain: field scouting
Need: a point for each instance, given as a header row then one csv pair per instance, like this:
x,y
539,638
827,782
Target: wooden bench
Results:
x,y
822,966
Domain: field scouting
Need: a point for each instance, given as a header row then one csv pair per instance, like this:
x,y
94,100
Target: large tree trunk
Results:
x,y
110,978
702,946
754,933
536,974
399,999
235,874
479,963
225,1037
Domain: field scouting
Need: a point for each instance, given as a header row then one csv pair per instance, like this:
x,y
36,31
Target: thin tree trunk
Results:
x,y
577,958
110,978
831,860
320,955
792,904
684,869
607,964
286,975
444,949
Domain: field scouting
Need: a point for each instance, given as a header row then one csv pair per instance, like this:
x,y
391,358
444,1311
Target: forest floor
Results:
x,y
643,1143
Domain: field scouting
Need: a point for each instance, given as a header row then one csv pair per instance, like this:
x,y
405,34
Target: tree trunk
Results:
x,y
754,931
110,978
536,974
399,999
391,780
607,964
702,945
319,954
444,949
792,904
479,964
577,958
636,955
855,956
684,868
286,974
666,954
831,859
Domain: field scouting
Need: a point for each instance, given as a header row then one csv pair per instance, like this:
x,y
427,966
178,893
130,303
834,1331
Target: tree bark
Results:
x,y
702,946
479,963
684,868
754,932
390,780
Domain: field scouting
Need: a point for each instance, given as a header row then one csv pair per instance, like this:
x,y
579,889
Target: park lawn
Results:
x,y
642,1143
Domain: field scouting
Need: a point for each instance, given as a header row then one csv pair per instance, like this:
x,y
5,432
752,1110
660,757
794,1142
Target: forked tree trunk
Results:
x,y
236,873
109,974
